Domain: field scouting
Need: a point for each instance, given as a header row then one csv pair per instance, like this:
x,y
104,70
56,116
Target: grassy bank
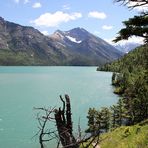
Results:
x,y
135,136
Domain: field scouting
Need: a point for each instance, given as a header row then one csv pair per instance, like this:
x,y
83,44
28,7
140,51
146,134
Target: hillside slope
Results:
x,y
126,137
88,48
131,82
22,45
138,58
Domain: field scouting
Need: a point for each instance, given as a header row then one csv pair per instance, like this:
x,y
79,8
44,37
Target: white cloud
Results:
x,y
66,7
97,15
37,5
23,1
17,1
107,27
132,39
54,19
45,32
26,1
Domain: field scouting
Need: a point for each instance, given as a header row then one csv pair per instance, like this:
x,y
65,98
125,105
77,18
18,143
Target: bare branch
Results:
x,y
64,132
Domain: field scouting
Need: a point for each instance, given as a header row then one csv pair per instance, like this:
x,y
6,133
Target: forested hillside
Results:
x,y
138,58
130,78
131,82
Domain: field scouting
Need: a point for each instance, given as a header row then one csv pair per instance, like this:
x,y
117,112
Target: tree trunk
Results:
x,y
64,125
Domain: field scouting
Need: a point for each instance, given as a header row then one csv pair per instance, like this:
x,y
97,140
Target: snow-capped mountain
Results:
x,y
73,39
127,47
23,45
87,47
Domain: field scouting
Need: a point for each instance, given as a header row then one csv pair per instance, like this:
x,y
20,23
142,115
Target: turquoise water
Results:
x,y
22,88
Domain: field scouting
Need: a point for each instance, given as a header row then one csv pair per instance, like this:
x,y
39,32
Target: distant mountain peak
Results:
x,y
78,29
75,35
74,47
74,30
58,31
1,19
58,34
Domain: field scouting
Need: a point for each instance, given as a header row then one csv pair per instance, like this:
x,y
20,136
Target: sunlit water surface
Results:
x,y
22,88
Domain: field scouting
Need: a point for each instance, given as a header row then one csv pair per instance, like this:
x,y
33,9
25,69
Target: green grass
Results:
x,y
135,136
126,137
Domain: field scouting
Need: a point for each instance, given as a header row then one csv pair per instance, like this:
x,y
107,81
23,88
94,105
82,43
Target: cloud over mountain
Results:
x,y
97,15
54,19
22,45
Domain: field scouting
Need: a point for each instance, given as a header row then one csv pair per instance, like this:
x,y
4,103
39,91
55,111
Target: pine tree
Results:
x,y
91,121
132,3
134,26
105,119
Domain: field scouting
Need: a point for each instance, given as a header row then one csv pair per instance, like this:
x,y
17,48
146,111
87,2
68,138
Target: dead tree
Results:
x,y
64,124
45,134
64,132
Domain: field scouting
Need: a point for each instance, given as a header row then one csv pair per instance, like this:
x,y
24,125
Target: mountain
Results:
x,y
90,50
22,45
126,47
133,61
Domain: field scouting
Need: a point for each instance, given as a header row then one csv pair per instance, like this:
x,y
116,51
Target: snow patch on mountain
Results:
x,y
73,39
127,45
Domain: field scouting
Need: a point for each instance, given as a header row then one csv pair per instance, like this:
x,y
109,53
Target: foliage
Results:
x,y
130,78
134,26
91,121
126,137
131,82
9,58
131,62
133,3
98,121
138,24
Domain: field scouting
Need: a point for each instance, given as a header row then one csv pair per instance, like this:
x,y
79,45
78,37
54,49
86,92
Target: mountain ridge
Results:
x,y
23,45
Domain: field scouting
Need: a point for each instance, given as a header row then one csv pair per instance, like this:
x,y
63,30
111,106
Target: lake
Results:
x,y
22,88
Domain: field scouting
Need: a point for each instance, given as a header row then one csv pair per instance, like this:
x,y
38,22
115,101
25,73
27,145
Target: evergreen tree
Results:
x,y
105,119
91,121
117,114
138,24
133,3
114,116
134,26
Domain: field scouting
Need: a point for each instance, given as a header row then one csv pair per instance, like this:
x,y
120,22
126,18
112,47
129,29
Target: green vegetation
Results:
x,y
134,26
131,83
126,137
9,58
130,79
98,121
137,25
126,121
134,61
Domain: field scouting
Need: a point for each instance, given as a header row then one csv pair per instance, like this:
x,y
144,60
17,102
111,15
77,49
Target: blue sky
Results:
x,y
100,17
